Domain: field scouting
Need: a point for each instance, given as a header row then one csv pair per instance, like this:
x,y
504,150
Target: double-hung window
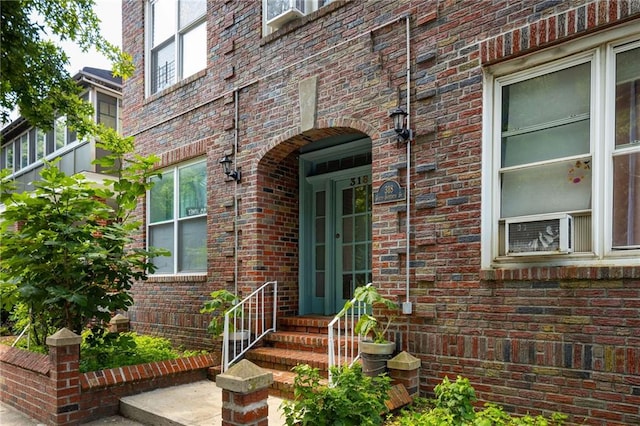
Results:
x,y
177,219
625,227
565,143
177,34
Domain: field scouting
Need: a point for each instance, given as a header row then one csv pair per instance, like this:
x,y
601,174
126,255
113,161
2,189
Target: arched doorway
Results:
x,y
335,221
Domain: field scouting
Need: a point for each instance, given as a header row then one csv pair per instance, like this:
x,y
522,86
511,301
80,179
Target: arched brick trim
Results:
x,y
185,152
592,16
325,128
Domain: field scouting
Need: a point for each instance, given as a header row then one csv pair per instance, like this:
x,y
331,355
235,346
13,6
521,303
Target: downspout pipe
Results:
x,y
407,306
235,191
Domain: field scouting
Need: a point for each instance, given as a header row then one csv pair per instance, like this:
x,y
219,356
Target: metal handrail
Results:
x,y
248,320
343,344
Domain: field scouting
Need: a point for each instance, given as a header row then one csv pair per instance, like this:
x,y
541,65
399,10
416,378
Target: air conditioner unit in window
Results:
x,y
280,12
543,235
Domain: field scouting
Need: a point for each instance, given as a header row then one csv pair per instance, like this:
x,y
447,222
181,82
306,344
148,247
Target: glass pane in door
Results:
x,y
320,243
355,244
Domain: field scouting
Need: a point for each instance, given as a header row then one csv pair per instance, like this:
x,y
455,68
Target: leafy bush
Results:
x,y
456,398
100,350
453,406
355,399
68,249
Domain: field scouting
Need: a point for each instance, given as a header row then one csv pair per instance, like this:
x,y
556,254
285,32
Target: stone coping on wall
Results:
x,y
39,363
32,361
133,373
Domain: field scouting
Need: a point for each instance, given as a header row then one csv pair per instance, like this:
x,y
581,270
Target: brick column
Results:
x,y
245,389
64,358
119,324
405,369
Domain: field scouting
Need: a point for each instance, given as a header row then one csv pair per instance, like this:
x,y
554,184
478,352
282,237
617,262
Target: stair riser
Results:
x,y
304,329
286,365
299,347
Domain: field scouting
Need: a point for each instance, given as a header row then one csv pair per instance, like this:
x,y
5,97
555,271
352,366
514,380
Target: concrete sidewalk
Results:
x,y
194,404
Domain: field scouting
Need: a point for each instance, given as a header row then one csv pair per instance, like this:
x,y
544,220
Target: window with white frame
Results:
x,y
276,13
8,157
177,219
60,133
23,146
177,34
626,151
26,149
565,142
40,144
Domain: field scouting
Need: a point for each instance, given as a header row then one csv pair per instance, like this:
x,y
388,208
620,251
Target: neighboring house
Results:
x,y
508,227
24,147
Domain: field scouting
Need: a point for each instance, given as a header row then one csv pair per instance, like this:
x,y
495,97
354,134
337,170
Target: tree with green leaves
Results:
x,y
33,77
68,255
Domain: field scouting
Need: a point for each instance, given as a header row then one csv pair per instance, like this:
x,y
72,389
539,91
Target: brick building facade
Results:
x,y
524,114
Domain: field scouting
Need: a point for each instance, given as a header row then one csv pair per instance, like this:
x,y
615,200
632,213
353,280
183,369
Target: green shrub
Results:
x,y
494,415
456,398
453,406
101,350
354,399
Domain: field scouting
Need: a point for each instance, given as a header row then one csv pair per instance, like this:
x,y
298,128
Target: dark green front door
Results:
x,y
341,239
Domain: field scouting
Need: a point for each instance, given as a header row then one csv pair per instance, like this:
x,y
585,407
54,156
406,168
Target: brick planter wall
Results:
x,y
25,383
51,389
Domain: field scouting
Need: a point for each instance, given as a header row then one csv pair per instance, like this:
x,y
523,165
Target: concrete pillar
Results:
x,y
119,324
405,369
64,358
245,389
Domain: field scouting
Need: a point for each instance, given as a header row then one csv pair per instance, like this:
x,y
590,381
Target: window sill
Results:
x,y
186,278
176,86
301,22
554,273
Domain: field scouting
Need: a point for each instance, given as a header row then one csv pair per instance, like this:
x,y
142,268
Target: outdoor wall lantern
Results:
x,y
227,167
400,124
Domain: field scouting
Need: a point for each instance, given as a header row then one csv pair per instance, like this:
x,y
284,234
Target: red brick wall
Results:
x,y
533,339
25,384
566,345
101,390
51,389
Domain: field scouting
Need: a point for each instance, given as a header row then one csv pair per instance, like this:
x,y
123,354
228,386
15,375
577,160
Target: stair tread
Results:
x,y
287,377
289,354
306,333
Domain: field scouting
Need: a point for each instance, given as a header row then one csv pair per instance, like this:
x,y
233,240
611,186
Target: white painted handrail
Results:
x,y
343,342
248,321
